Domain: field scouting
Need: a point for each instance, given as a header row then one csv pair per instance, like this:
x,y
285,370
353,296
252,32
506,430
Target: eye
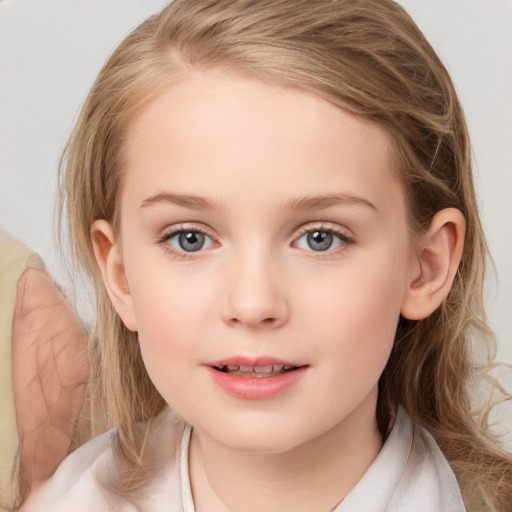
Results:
x,y
190,240
320,240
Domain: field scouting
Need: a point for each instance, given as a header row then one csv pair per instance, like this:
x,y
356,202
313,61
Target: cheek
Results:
x,y
357,313
164,316
152,303
167,340
158,293
171,309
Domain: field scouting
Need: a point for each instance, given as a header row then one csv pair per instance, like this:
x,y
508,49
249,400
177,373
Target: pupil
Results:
x,y
320,240
191,241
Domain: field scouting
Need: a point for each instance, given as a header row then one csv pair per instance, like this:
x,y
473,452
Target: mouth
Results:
x,y
256,378
260,372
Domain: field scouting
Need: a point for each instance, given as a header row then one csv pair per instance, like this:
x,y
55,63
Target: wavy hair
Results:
x,y
369,58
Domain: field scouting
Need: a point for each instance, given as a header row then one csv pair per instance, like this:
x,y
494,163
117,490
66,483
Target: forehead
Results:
x,y
230,138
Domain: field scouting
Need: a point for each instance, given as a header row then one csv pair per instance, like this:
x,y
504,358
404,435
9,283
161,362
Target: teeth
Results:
x,y
263,369
269,370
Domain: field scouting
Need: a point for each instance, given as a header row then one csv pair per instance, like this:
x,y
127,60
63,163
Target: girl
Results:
x,y
275,202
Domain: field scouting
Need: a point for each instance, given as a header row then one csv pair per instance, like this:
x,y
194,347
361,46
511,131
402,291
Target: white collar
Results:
x,y
186,492
410,471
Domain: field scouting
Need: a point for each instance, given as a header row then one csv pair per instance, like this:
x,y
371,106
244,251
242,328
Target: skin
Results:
x,y
254,153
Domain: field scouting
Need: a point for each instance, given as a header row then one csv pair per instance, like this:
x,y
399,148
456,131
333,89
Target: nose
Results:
x,y
256,294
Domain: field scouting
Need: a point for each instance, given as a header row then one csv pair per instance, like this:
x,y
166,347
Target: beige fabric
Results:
x,y
44,372
15,258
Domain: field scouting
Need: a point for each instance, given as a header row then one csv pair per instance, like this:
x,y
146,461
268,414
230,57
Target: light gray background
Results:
x,y
51,50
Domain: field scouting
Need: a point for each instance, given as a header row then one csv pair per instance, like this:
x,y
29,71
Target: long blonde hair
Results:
x,y
369,58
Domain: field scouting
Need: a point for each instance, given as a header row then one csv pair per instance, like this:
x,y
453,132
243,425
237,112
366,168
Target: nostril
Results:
x,y
268,321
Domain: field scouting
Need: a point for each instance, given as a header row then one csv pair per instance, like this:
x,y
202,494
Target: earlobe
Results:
x,y
110,262
438,255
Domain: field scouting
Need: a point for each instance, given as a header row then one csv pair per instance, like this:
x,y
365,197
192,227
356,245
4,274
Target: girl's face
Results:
x,y
266,253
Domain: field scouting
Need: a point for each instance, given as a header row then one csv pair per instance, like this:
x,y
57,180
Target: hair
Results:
x,y
369,58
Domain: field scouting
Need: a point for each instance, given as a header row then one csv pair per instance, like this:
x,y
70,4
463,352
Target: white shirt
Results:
x,y
410,474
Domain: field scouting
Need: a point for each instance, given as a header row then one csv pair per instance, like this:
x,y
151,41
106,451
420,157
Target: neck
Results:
x,y
312,477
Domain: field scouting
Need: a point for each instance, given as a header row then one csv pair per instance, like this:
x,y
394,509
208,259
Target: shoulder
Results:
x,y
427,482
74,486
79,482
409,473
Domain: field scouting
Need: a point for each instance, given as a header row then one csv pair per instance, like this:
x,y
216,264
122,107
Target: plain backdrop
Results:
x,y
51,51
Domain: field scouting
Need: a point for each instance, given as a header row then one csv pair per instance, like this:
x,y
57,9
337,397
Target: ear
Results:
x,y
437,257
110,262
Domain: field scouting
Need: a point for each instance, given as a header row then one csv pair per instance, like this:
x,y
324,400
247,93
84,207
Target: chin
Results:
x,y
263,436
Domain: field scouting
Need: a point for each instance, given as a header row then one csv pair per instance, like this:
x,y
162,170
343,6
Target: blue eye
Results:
x,y
320,240
189,241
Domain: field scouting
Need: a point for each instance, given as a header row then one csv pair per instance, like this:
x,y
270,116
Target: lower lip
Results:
x,y
256,388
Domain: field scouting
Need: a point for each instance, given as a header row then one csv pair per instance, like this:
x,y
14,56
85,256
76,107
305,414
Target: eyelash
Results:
x,y
176,230
173,231
345,240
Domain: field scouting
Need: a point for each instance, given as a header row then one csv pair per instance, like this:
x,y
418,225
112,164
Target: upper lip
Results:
x,y
253,361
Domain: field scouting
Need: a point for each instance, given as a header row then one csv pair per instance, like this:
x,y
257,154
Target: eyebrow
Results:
x,y
323,202
187,201
306,202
